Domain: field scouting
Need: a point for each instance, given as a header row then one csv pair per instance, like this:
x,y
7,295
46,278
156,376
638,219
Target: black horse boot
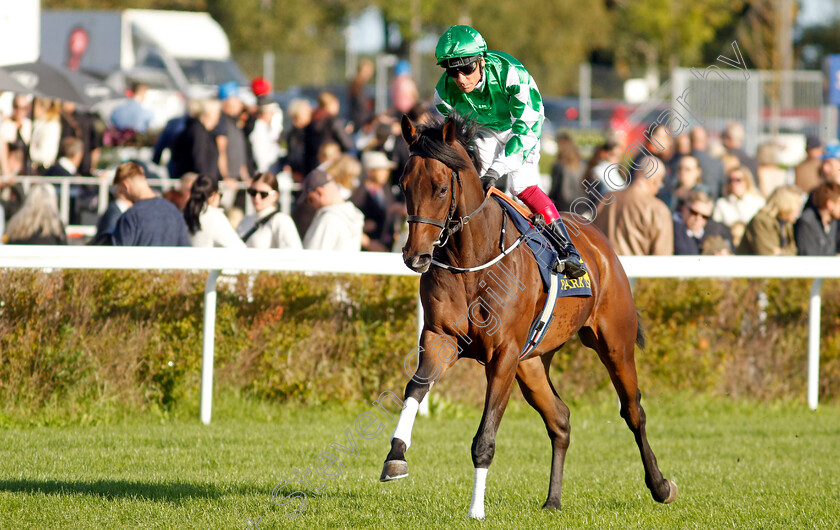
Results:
x,y
570,262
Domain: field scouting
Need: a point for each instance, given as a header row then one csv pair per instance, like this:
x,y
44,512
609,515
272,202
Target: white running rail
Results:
x,y
217,259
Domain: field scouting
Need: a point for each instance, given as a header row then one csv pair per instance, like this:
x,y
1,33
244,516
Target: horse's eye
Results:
x,y
443,191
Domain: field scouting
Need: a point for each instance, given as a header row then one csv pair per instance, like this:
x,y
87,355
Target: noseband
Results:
x,y
450,225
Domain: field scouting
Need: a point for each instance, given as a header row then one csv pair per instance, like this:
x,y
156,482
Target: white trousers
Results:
x,y
491,146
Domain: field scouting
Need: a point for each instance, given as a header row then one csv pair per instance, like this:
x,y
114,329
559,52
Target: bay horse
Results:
x,y
453,224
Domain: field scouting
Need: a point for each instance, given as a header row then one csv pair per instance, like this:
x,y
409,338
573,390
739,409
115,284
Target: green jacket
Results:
x,y
764,234
507,98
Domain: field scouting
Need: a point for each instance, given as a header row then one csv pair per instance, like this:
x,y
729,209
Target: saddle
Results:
x,y
554,283
540,245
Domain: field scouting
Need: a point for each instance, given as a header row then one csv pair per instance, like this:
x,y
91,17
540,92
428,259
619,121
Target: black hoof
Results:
x,y
393,470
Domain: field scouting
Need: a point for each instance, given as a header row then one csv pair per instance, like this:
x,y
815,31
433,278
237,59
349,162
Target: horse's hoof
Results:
x,y
476,514
394,469
551,505
672,493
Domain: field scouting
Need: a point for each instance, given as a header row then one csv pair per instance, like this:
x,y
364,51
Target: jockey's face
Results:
x,y
467,83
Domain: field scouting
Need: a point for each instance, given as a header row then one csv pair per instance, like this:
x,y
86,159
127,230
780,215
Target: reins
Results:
x,y
450,226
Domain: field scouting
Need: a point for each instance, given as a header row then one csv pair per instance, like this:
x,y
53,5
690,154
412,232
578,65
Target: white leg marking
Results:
x,y
477,503
406,421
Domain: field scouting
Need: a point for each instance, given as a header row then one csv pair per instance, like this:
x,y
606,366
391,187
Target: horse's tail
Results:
x,y
640,332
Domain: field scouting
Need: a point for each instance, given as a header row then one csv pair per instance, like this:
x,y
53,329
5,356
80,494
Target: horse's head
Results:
x,y
433,186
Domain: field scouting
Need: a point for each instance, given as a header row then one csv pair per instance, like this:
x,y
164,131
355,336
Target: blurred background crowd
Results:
x,y
246,164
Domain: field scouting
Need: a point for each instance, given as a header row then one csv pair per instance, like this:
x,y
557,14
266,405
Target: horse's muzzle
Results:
x,y
418,263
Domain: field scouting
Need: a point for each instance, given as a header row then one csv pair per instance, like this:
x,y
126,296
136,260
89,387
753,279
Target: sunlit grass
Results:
x,y
737,465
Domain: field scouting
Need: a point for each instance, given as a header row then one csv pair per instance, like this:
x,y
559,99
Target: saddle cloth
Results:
x,y
544,253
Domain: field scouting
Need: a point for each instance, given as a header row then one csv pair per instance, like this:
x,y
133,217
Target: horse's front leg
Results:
x,y
500,372
436,353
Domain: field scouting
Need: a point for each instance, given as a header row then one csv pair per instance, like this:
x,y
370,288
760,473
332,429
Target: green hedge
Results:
x,y
84,340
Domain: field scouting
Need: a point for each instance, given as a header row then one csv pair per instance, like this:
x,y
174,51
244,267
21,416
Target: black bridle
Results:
x,y
450,225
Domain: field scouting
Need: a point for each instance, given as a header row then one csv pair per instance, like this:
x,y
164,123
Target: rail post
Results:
x,y
814,343
208,340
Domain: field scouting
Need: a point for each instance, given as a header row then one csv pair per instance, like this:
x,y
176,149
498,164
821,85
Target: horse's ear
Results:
x,y
408,130
449,132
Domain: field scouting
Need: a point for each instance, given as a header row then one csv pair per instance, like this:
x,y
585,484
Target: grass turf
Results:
x,y
736,464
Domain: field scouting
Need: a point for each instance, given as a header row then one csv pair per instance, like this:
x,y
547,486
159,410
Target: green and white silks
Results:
x,y
508,103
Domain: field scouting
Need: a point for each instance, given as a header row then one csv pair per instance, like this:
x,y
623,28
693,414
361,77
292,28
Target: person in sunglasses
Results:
x,y
693,226
494,89
268,227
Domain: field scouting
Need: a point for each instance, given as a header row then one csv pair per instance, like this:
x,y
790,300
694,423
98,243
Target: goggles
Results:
x,y
461,65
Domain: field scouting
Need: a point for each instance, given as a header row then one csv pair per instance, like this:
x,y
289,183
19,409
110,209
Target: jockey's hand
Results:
x,y
489,180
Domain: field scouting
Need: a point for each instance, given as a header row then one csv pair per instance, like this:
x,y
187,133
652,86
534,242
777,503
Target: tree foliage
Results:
x,y
669,32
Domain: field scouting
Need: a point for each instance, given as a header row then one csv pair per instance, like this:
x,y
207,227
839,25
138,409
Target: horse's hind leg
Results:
x,y
540,394
436,353
615,347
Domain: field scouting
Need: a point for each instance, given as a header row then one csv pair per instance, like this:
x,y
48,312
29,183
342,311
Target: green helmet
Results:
x,y
459,42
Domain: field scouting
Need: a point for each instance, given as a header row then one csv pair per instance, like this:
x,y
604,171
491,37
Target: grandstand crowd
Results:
x,y
698,193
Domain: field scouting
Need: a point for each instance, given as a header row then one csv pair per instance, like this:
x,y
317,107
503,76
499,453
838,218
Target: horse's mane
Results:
x,y
429,142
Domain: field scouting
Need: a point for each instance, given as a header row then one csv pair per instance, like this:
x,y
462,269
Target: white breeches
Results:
x,y
491,145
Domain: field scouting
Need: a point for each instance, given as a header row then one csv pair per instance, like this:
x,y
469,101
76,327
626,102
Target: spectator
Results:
x,y
693,226
770,232
808,171
741,200
566,174
659,144
328,153
132,115
346,170
770,176
152,221
606,154
711,168
338,224
376,202
15,160
195,149
387,139
689,180
830,168
404,93
325,126
108,221
636,222
181,195
733,140
269,227
206,222
85,126
37,222
816,230
2,223
11,192
17,130
361,106
230,139
264,144
300,113
729,162
168,136
46,134
70,155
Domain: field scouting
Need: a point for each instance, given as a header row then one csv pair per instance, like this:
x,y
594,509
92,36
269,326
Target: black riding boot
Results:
x,y
570,261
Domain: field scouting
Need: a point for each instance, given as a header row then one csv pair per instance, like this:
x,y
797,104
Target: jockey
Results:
x,y
495,90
